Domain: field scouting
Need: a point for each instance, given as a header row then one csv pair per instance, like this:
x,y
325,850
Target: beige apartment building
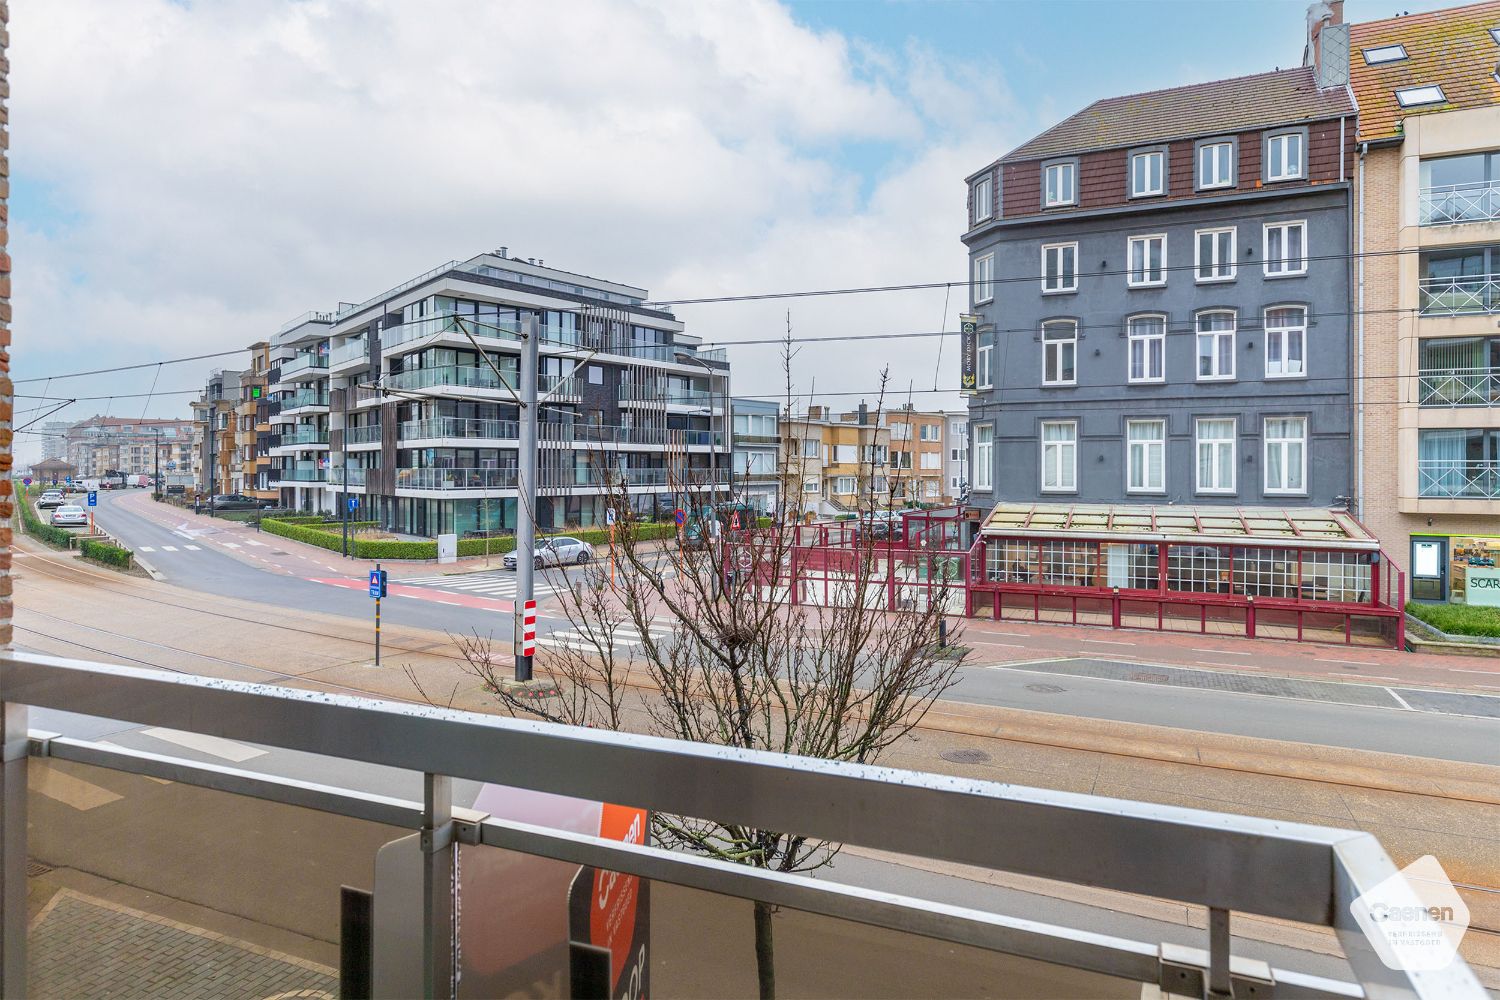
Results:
x,y
1428,292
835,463
916,456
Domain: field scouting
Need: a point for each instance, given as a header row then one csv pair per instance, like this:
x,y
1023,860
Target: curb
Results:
x,y
151,570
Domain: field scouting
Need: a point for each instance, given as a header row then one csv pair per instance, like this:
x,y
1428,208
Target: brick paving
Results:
x,y
81,946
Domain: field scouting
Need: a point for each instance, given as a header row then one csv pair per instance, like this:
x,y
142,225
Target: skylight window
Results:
x,y
1384,54
1495,34
1411,97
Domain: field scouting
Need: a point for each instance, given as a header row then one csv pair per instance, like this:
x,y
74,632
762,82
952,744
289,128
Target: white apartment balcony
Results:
x,y
559,388
301,439
367,436
1455,204
1458,479
659,394
461,482
476,379
336,478
297,476
1454,387
439,432
304,366
349,356
1459,295
303,401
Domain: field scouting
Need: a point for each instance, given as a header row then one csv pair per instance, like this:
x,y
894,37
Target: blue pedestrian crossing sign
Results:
x,y
377,583
93,499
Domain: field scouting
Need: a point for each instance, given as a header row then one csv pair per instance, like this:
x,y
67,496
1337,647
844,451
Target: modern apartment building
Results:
x,y
916,455
956,456
1164,292
131,446
54,435
216,457
835,463
1428,226
409,398
253,425
757,450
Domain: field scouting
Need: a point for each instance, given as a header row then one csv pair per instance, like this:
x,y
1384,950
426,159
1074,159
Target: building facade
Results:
x,y
407,402
956,452
835,463
54,435
757,451
133,447
216,462
1163,290
916,455
1428,226
253,425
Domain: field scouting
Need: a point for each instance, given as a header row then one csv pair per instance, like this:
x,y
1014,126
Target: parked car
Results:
x,y
557,551
51,498
239,501
70,515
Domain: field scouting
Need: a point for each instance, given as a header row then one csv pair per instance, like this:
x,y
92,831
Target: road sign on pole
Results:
x,y
609,512
353,504
734,521
528,629
680,516
377,591
93,498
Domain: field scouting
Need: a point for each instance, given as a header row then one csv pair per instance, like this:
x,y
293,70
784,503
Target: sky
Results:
x,y
187,175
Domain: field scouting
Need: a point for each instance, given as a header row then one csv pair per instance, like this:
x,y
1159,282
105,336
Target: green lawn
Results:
x,y
1458,619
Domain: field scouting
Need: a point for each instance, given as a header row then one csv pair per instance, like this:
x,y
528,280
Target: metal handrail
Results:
x,y
1226,862
459,427
1459,479
1451,204
1458,387
1459,295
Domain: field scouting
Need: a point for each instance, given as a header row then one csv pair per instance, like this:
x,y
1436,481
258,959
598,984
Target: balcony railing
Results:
x,y
1460,294
271,827
304,363
303,397
350,351
297,475
1443,478
366,434
309,435
335,476
649,392
458,376
459,427
457,479
559,386
1458,387
1451,204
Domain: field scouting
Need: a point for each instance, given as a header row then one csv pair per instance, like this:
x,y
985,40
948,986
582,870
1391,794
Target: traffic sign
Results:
x,y
68,480
745,559
609,515
734,521
27,481
93,498
680,516
353,504
377,583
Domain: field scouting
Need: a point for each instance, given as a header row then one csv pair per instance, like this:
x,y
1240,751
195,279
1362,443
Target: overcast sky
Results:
x,y
187,176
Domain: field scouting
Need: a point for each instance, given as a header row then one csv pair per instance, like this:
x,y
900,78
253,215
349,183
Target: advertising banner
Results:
x,y
1483,586
968,379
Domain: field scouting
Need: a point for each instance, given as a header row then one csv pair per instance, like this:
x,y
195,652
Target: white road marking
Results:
x,y
231,545
1012,645
192,548
1466,670
1023,635
1108,642
211,745
1402,700
1221,652
251,541
1381,677
167,548
1357,663
70,791
145,548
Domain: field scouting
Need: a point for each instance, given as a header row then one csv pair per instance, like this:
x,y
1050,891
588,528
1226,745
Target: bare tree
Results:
x,y
751,638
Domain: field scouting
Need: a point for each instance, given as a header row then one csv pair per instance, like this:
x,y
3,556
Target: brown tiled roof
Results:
x,y
1451,48
1246,102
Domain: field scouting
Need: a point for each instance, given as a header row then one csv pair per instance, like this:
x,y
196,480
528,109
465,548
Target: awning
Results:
x,y
1216,525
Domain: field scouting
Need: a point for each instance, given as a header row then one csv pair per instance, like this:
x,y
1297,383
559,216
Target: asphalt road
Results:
x,y
1425,733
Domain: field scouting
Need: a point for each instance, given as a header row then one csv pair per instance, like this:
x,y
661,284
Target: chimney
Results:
x,y
1327,49
864,413
504,252
814,413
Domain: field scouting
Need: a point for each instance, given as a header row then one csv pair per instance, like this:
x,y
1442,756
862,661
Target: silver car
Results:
x,y
70,515
559,551
51,498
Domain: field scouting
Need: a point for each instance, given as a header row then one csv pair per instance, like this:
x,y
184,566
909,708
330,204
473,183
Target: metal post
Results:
x,y
1218,953
437,886
344,454
156,479
15,745
526,489
377,619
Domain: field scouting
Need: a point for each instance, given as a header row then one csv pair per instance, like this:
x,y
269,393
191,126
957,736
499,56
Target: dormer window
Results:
x,y
1148,174
1415,97
1061,184
1384,54
983,200
1284,156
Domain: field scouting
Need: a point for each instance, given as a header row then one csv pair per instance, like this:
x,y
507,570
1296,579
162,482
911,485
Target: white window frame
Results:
x,y
1144,340
1071,448
1380,54
1217,445
984,278
983,194
1282,271
1060,250
1276,165
1284,445
984,364
983,464
1060,344
1071,195
1215,149
1223,270
1198,337
1130,271
1283,335
1421,95
1143,159
1147,445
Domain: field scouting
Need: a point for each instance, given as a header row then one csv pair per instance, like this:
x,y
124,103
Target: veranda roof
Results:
x,y
1208,525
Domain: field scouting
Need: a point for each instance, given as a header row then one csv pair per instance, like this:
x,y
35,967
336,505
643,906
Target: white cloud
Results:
x,y
220,167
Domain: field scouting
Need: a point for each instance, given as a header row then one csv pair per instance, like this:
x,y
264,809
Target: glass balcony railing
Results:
x,y
303,397
1459,294
656,392
303,364
456,479
304,435
367,434
455,376
353,350
558,386
335,476
304,475
489,905
1458,387
1452,204
479,327
1458,479
459,427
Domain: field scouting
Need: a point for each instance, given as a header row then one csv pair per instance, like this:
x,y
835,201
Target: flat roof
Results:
x,y
1208,525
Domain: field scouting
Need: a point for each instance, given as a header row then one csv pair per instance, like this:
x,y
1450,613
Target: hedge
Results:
x,y
56,537
325,534
103,552
1458,619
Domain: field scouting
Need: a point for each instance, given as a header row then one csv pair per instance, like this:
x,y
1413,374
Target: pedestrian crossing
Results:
x,y
484,584
626,637
168,548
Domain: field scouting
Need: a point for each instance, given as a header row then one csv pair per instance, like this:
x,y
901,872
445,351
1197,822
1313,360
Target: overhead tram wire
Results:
x,y
126,368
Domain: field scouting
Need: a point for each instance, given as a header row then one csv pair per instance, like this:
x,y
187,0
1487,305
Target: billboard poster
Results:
x,y
968,380
609,920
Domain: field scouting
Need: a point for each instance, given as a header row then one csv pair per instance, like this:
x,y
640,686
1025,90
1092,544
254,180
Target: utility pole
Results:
x,y
156,479
526,493
344,455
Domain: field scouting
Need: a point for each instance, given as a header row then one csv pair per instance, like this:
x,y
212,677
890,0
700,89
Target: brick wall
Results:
x,y
7,390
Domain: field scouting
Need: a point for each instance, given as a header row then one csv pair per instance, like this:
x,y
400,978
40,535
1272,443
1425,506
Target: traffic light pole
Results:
x,y
526,492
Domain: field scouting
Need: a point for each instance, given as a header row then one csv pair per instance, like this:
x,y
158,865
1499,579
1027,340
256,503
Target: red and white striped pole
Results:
x,y
528,636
